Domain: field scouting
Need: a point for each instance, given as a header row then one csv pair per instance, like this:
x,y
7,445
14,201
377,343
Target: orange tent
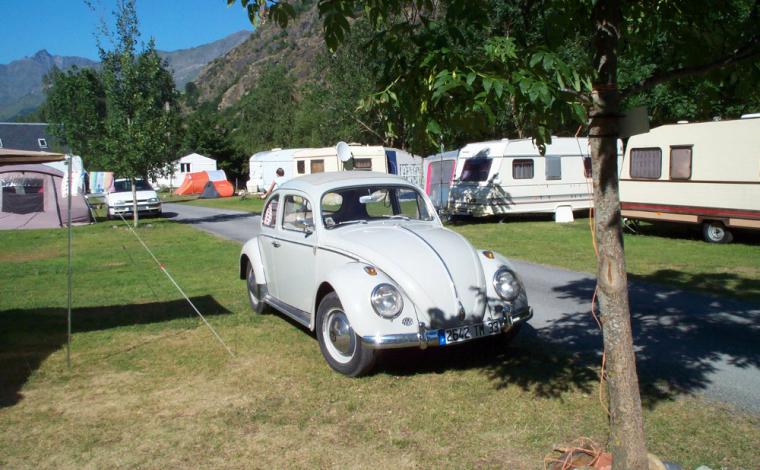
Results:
x,y
193,184
224,188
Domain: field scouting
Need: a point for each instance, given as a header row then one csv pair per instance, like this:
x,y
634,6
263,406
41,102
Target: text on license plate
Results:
x,y
465,333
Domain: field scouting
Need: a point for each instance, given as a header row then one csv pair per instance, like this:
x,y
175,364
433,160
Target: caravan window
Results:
x,y
317,166
522,169
553,168
364,164
300,167
184,168
646,163
476,169
680,162
587,167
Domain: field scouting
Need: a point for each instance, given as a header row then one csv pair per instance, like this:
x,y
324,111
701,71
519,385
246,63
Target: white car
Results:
x,y
119,201
363,259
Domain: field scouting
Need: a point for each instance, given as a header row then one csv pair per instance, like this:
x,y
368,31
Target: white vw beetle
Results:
x,y
363,259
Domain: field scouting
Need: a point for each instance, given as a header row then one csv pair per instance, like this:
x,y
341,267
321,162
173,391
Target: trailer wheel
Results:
x,y
716,232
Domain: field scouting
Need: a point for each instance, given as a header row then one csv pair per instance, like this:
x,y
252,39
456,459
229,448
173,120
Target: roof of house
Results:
x,y
25,136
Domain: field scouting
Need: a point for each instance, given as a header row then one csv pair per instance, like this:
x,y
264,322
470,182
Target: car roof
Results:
x,y
319,183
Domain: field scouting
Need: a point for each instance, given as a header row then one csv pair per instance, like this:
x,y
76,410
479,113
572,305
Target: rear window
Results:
x,y
476,169
122,186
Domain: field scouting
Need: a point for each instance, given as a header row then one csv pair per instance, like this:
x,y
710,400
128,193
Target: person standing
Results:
x,y
276,182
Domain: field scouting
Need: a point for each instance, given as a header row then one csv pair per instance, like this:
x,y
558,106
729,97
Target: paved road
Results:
x,y
688,341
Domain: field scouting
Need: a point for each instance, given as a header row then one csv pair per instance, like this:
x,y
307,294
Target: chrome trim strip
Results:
x,y
458,299
304,318
426,337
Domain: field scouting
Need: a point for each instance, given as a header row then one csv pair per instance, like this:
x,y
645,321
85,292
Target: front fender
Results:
x,y
490,266
251,253
354,287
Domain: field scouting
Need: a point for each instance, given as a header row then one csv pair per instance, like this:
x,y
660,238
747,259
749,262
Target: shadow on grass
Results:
x,y
28,337
210,218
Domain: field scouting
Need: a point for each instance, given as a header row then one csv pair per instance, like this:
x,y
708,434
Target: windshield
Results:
x,y
369,203
121,186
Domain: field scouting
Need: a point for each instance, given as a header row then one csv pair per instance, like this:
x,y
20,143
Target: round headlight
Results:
x,y
506,284
386,300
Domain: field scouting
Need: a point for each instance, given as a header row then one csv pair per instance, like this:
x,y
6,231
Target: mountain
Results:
x,y
21,80
226,79
185,64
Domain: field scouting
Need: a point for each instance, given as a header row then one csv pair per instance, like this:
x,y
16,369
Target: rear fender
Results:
x,y
354,286
251,253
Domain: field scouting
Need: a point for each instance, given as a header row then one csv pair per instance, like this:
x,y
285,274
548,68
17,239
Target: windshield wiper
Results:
x,y
349,222
396,216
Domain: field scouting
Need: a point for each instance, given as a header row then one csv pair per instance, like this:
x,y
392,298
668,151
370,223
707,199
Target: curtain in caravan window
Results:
x,y
646,163
553,168
522,169
680,163
317,166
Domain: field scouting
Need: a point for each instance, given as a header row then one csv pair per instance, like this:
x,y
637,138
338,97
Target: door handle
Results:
x,y
276,244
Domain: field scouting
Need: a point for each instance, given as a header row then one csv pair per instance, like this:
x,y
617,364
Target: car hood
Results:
x,y
127,196
435,267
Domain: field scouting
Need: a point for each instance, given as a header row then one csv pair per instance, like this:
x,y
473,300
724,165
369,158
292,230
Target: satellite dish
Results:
x,y
344,152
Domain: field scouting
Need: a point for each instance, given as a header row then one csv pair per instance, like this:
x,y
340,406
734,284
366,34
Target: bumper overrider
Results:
x,y
436,337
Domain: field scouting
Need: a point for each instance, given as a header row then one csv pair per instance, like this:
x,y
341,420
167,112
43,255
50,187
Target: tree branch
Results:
x,y
750,50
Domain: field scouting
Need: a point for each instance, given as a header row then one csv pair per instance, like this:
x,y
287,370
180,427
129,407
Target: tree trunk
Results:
x,y
134,202
626,423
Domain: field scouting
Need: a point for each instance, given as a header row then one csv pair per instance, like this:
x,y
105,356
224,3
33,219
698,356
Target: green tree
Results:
x,y
205,133
264,116
75,104
142,115
677,38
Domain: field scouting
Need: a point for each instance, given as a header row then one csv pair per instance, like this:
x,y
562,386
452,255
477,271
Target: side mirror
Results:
x,y
308,230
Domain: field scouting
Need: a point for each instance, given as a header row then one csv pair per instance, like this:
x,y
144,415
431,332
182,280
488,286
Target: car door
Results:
x,y
268,243
295,256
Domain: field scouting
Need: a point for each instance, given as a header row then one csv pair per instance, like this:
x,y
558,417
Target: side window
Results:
x,y
296,213
269,219
522,169
300,167
680,162
646,163
317,166
553,168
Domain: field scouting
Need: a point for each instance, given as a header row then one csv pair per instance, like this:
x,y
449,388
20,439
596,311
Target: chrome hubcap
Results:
x,y
339,333
715,232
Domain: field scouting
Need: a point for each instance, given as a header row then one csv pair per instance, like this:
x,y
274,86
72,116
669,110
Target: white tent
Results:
x,y
191,163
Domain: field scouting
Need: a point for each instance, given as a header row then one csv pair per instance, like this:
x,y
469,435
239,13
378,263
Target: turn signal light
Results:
x,y
488,254
370,270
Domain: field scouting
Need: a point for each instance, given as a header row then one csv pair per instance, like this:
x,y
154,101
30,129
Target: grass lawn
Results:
x,y
664,254
151,388
250,204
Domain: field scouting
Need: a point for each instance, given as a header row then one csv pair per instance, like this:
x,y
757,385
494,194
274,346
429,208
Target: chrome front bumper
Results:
x,y
425,338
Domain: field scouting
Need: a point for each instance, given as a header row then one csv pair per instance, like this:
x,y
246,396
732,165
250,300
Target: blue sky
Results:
x,y
67,27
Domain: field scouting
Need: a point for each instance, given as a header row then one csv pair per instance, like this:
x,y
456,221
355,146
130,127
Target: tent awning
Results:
x,y
14,157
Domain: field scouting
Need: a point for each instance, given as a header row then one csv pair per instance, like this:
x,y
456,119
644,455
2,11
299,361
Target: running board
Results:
x,y
304,318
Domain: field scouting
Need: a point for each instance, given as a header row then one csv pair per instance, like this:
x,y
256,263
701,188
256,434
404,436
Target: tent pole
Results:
x,y
68,316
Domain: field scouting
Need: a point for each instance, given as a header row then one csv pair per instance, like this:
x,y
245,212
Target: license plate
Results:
x,y
468,332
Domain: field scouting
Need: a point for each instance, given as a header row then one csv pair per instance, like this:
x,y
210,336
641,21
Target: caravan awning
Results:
x,y
15,157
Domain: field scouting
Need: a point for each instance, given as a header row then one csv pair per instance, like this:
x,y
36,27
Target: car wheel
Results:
x,y
340,345
716,232
254,291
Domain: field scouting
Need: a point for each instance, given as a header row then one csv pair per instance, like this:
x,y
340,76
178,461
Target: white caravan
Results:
x,y
191,163
512,177
704,173
439,172
365,158
262,168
